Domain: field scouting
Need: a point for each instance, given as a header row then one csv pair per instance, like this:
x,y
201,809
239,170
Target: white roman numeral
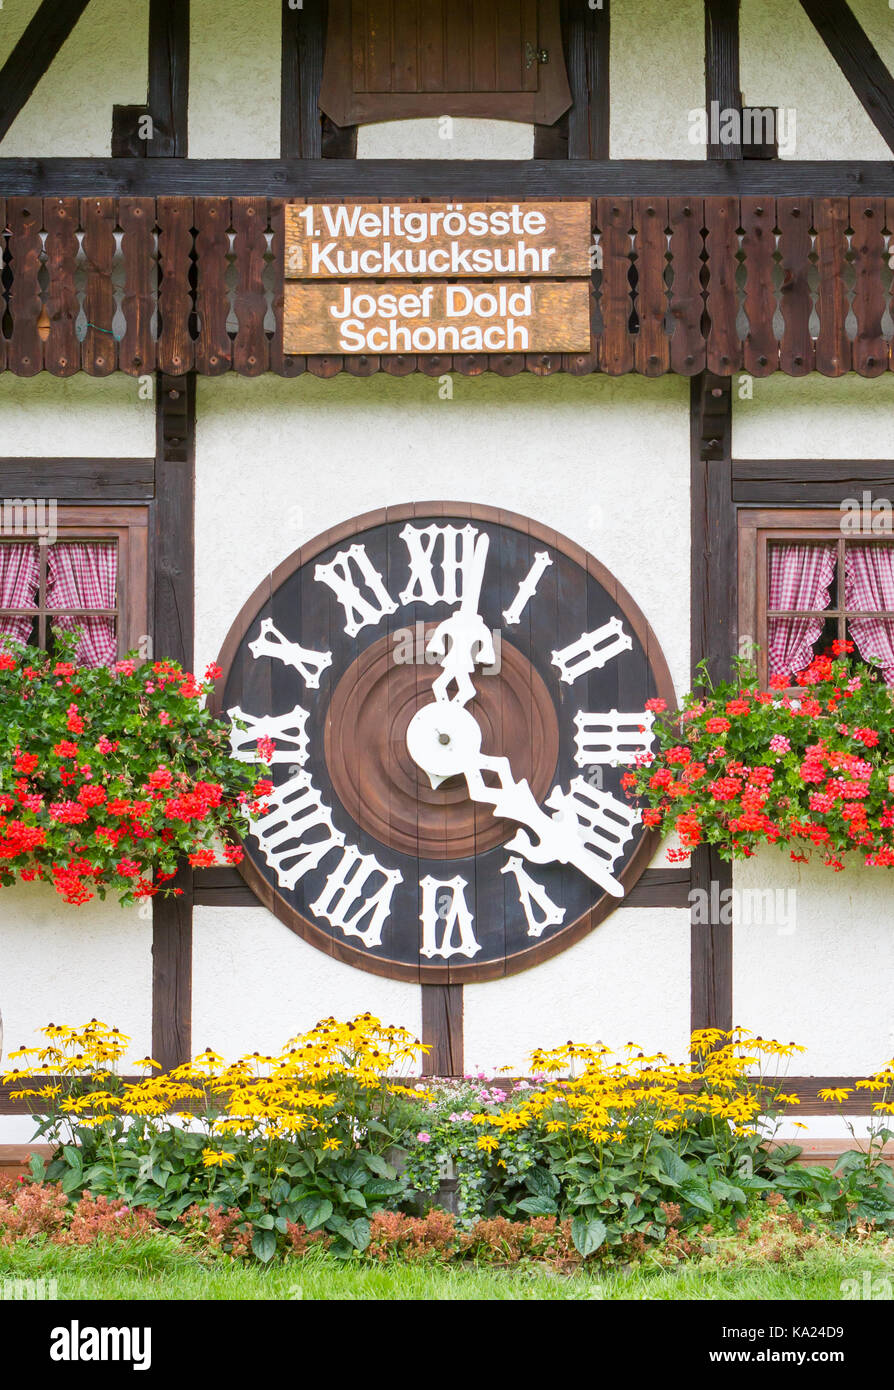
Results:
x,y
344,891
527,588
361,609
294,811
286,729
539,909
612,738
459,570
444,907
592,650
603,823
308,664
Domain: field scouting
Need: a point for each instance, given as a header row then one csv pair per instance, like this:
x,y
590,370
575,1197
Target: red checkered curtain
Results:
x,y
800,577
19,583
84,574
868,584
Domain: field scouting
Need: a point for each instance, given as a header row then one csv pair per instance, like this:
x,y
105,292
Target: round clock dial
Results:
x,y
453,694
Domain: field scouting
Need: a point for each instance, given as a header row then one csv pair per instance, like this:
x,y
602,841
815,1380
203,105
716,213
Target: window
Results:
x,y
74,568
804,583
490,58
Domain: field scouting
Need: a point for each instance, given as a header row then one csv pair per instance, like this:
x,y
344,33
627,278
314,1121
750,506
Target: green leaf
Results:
x,y
315,1211
263,1243
538,1206
587,1235
355,1198
377,1165
73,1157
697,1195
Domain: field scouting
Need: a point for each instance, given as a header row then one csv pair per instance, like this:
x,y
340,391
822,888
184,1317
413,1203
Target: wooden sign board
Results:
x,y
405,241
504,316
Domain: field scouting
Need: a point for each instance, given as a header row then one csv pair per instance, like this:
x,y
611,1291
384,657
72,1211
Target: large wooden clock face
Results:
x,y
453,693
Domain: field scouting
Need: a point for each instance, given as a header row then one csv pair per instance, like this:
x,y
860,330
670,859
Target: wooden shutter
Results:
x,y
395,59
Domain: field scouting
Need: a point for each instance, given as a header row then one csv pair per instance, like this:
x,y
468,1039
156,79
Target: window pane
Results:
x,y
800,577
84,574
869,587
19,583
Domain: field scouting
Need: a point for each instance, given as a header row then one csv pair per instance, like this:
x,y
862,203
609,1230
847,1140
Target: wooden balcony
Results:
x,y
759,284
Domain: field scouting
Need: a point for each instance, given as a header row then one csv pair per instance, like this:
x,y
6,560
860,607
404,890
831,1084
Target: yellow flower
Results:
x,y
213,1158
834,1093
332,1144
488,1143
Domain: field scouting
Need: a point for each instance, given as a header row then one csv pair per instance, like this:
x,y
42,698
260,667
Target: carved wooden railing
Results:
x,y
680,285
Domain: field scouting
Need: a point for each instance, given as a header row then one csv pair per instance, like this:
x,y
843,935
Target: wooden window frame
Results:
x,y
542,105
128,527
758,529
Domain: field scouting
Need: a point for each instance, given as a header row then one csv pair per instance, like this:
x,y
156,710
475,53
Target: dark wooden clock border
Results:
x,y
645,849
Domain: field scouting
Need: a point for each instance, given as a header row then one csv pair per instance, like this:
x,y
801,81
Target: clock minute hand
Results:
x,y
462,641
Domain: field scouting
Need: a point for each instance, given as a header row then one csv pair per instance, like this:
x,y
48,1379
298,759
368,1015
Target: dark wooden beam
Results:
x,y
303,45
168,78
583,131
335,178
712,628
853,51
79,479
33,54
722,85
173,578
810,482
442,1030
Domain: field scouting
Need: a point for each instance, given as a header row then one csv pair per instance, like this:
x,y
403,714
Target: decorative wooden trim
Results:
x,y
722,84
443,178
856,56
168,96
87,480
442,1030
173,574
637,862
712,627
33,54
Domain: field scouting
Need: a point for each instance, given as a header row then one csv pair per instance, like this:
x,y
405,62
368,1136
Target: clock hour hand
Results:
x,y
462,641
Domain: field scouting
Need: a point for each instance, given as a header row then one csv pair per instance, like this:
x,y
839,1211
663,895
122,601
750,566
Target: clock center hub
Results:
x,y
443,739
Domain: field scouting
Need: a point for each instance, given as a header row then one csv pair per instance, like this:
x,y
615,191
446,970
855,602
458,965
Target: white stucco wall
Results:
x,y
784,63
102,63
816,417
234,81
74,417
65,964
657,77
457,138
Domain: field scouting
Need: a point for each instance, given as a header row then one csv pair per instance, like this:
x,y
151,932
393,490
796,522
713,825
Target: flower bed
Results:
x,y
321,1145
738,767
109,777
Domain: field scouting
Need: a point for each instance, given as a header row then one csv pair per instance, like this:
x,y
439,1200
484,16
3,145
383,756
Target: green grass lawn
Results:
x,y
159,1269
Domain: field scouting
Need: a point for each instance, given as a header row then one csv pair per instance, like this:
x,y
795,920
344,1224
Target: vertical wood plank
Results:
x,y
713,619
61,352
250,352
168,78
442,1030
796,351
833,349
173,628
722,83
761,351
724,353
99,350
613,217
870,351
25,349
587,56
136,351
687,301
214,347
175,306
3,298
652,348
889,223
281,363
303,44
